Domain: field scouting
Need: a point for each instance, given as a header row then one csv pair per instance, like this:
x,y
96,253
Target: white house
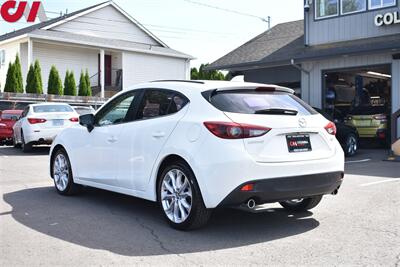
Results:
x,y
116,49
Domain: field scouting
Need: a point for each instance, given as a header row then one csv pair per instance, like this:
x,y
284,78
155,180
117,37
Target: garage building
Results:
x,y
343,57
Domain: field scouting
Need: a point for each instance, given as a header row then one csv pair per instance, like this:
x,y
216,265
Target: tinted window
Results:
x,y
157,103
52,108
351,6
251,102
368,110
326,8
116,111
8,116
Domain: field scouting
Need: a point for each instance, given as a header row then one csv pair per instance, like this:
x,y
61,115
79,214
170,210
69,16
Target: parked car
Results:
x,y
194,146
7,121
40,123
82,110
347,135
370,121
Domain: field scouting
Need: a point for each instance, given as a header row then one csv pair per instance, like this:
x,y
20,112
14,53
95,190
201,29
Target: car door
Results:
x,y
158,114
103,142
18,125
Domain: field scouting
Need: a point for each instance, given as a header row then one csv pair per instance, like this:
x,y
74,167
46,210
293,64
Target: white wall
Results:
x,y
65,58
143,68
11,50
107,22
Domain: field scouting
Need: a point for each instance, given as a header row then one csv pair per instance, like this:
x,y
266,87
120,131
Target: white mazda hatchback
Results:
x,y
193,146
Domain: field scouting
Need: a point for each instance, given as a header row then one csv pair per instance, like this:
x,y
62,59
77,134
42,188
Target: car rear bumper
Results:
x,y
285,188
42,136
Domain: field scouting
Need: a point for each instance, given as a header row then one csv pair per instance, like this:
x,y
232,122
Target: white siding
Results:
x,y
107,22
65,58
11,50
143,68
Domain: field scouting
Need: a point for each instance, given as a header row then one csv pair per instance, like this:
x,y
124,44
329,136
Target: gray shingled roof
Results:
x,y
284,42
268,44
44,23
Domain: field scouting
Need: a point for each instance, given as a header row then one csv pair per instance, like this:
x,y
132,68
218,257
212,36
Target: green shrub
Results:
x,y
11,79
37,85
29,80
54,86
89,93
82,85
19,86
69,84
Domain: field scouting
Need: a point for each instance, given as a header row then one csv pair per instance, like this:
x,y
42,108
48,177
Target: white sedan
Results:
x,y
193,146
40,124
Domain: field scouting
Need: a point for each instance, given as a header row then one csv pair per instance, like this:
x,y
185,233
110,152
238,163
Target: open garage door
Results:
x,y
361,97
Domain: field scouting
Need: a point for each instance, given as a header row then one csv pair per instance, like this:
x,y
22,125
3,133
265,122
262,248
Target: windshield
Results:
x,y
52,108
7,116
260,102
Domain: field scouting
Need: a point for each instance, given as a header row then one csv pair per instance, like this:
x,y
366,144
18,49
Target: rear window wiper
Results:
x,y
277,111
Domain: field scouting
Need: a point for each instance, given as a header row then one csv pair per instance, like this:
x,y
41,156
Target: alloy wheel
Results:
x,y
176,196
61,172
351,145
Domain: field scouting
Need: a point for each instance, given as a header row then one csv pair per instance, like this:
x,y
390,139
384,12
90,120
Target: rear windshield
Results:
x,y
52,108
8,116
253,102
368,110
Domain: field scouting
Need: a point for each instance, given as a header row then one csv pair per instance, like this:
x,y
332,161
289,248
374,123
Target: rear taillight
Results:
x,y
331,128
380,117
36,120
74,119
231,130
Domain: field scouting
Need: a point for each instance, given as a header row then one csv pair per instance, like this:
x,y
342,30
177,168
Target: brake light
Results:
x,y
74,119
247,187
36,120
331,128
231,130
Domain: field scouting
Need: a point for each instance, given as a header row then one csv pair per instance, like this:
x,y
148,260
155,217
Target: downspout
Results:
x,y
304,71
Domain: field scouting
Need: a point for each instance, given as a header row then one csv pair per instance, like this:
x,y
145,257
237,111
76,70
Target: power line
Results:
x,y
267,19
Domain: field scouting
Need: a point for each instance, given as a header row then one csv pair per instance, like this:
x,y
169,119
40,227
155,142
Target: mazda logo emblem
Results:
x,y
302,122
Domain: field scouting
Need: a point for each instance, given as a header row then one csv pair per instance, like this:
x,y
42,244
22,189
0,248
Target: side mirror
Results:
x,y
87,120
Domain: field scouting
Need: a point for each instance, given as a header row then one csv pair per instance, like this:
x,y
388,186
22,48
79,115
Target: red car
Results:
x,y
7,121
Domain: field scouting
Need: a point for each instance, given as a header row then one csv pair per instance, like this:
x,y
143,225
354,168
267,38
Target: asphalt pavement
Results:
x,y
359,226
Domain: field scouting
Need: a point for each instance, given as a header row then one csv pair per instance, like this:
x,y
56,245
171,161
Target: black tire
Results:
x,y
304,205
26,148
71,188
198,215
351,145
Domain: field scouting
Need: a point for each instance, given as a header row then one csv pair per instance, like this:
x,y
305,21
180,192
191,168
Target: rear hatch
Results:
x,y
367,116
297,131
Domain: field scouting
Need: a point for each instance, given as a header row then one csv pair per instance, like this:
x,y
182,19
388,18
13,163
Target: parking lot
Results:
x,y
359,226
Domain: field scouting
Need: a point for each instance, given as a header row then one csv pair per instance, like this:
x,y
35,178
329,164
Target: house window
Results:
x,y
374,4
353,6
326,8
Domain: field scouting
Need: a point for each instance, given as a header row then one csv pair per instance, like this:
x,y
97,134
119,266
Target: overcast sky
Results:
x,y
197,29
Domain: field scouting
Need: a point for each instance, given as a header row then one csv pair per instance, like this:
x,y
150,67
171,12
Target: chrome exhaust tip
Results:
x,y
251,203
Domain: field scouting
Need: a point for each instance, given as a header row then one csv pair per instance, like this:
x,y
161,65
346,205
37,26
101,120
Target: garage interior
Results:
x,y
361,97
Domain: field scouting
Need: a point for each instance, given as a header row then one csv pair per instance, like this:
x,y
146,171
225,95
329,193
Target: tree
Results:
x,y
82,85
202,74
37,85
19,86
11,79
89,86
69,84
54,86
29,80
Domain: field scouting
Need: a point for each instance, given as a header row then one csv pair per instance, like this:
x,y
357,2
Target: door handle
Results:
x,y
158,134
112,139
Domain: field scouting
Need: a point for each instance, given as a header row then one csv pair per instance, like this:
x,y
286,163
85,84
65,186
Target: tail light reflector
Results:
x,y
232,130
74,119
247,187
380,117
331,128
36,120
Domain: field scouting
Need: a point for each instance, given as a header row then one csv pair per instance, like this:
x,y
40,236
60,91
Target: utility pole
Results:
x,y
267,20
